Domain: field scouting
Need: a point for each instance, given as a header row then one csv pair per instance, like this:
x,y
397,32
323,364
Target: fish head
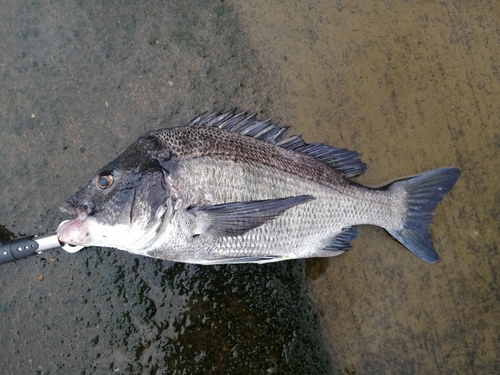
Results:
x,y
124,204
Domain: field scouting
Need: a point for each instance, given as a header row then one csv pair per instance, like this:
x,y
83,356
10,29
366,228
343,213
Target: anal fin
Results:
x,y
342,241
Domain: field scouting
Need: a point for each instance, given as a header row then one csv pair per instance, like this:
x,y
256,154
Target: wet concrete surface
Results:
x,y
412,87
80,81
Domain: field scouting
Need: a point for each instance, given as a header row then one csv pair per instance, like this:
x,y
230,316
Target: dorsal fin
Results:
x,y
342,160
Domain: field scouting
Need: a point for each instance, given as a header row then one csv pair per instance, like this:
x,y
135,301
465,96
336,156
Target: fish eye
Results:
x,y
104,181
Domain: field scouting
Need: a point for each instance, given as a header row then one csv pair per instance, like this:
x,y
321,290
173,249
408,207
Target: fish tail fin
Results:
x,y
423,193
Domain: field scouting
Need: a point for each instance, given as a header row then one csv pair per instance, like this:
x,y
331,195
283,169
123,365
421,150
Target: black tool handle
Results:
x,y
17,249
20,248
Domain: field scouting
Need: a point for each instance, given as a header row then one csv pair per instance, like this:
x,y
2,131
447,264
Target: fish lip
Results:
x,y
78,210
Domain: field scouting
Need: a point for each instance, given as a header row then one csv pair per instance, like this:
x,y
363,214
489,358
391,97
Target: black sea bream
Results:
x,y
227,189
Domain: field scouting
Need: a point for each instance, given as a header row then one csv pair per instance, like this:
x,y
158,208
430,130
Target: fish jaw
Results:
x,y
74,232
83,230
89,232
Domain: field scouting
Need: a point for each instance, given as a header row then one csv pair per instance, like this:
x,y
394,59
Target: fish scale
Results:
x,y
302,231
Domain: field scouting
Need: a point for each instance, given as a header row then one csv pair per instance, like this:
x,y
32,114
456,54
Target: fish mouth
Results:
x,y
78,210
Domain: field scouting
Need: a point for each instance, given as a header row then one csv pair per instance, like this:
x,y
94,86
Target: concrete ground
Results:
x,y
411,86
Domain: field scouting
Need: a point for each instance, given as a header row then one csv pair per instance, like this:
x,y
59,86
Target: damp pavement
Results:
x,y
411,86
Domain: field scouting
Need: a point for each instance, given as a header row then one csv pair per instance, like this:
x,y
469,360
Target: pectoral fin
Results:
x,y
234,219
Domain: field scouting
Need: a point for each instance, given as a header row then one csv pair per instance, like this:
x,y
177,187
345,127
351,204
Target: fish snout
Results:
x,y
79,210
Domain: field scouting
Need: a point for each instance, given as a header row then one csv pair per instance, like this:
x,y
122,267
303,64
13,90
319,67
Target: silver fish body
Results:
x,y
226,189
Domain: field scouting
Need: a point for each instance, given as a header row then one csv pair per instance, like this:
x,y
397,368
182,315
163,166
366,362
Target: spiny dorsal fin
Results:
x,y
242,123
342,160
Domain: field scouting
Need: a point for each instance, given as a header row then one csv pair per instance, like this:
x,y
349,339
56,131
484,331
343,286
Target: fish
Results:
x,y
228,188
